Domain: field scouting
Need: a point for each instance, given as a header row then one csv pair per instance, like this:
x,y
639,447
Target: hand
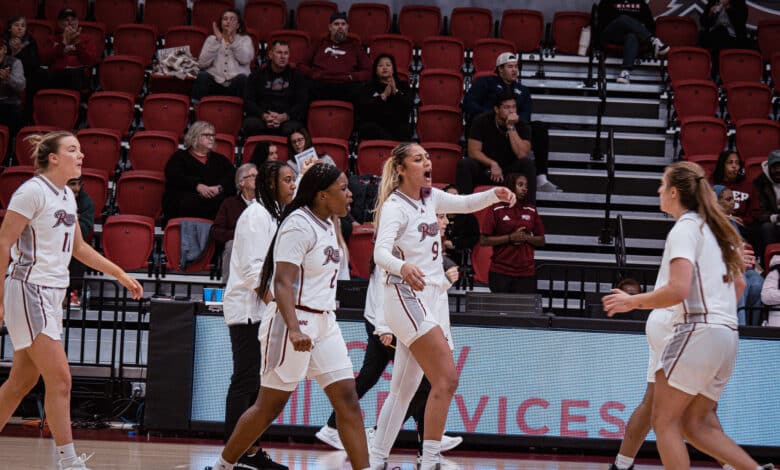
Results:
x,y
308,163
282,117
504,194
618,302
16,45
518,236
496,174
135,288
387,92
748,257
207,192
5,74
386,339
393,88
413,277
448,245
512,119
452,274
300,341
217,32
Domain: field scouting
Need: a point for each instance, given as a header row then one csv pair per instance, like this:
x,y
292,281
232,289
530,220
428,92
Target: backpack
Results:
x,y
365,189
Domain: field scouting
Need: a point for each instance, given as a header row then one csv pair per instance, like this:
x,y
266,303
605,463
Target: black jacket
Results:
x,y
767,200
285,92
637,9
390,114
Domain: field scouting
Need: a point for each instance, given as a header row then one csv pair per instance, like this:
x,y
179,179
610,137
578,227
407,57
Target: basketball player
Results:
x,y
408,248
698,359
40,233
299,335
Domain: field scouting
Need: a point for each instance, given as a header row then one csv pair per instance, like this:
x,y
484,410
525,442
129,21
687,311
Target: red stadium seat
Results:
x,y
207,12
51,8
418,22
97,33
524,28
193,36
397,45
112,110
441,87
138,40
746,100
470,24
40,30
439,124
300,43
771,250
566,29
11,179
372,155
170,84
4,138
101,148
123,73
225,113
442,52
26,8
337,149
444,158
369,19
23,149
122,231
708,162
688,63
265,16
150,150
703,135
58,108
487,50
172,247
313,16
225,145
361,249
251,143
330,118
95,183
113,13
695,98
480,261
166,112
768,38
140,192
677,31
775,70
165,14
757,137
740,65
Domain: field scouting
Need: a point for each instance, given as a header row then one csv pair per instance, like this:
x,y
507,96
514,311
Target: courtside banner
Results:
x,y
522,381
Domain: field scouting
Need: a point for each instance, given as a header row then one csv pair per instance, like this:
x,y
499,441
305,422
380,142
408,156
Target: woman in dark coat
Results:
x,y
384,104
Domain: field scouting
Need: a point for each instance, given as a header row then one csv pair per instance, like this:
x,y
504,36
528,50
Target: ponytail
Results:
x,y
43,145
390,177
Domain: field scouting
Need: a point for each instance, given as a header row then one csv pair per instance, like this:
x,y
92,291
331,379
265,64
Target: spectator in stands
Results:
x,y
767,187
730,172
337,64
770,291
298,142
384,104
263,152
479,99
197,179
11,87
462,232
513,232
22,46
723,26
86,217
629,23
230,210
277,95
224,59
498,144
69,55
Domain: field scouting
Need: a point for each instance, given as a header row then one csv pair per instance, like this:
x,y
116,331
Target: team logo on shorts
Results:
x,y
64,218
332,255
428,230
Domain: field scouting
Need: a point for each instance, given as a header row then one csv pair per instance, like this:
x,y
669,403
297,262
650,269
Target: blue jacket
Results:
x,y
479,98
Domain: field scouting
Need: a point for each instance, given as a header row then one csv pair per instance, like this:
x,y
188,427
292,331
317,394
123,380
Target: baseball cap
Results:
x,y
505,57
66,13
339,15
774,157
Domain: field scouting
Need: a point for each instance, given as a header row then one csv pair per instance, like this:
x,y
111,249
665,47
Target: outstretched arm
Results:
x,y
87,255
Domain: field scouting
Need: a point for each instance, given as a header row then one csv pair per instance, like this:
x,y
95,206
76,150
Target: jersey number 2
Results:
x,y
333,279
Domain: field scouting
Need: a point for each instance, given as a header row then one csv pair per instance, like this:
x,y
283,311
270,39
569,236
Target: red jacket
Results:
x,y
337,63
53,53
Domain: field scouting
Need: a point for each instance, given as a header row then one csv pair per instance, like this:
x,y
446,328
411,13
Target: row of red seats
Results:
x,y
735,65
744,100
707,135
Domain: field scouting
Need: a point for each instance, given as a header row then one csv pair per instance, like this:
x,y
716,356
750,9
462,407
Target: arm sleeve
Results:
x,y
523,130
525,106
228,176
476,99
86,52
294,240
242,49
208,52
446,203
363,71
391,220
16,80
646,16
27,201
219,230
476,130
770,293
177,175
52,49
253,236
684,240
538,225
251,105
300,98
86,214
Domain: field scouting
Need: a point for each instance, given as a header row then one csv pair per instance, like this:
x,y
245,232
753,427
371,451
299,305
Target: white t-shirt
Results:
x,y
709,293
310,243
42,253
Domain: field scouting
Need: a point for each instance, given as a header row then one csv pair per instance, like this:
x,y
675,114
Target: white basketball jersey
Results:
x,y
310,243
42,253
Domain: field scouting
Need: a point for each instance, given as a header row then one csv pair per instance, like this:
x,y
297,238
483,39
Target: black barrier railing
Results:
x,y
606,231
597,153
589,82
620,243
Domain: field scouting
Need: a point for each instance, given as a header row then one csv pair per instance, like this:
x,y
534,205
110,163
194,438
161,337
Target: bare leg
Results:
x,y
343,397
270,402
50,359
669,405
24,375
638,425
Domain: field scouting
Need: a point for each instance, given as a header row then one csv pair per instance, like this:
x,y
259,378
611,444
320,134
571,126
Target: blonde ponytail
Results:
x,y
43,145
390,177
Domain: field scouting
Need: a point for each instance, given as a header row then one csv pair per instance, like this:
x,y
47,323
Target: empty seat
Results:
x,y
702,135
140,192
330,118
695,98
192,36
740,65
122,73
566,29
165,14
369,19
524,28
51,8
768,38
487,50
300,43
113,13
97,33
150,150
470,24
57,108
101,148
757,137
11,179
708,162
677,30
361,249
138,40
40,30
442,52
225,113
172,247
22,149
206,12
441,87
480,262
439,124
26,8
444,158
265,16
166,112
372,155
112,110
418,22
397,45
337,149
313,16
251,143
747,100
225,145
123,231
95,183
688,63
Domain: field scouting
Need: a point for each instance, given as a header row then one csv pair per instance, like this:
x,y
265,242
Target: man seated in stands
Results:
x,y
276,97
337,64
479,99
225,223
767,187
68,54
86,215
498,144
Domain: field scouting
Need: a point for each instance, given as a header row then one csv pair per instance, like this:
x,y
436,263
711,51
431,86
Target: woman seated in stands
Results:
x,y
230,210
224,59
723,26
513,232
263,152
730,172
22,46
384,104
11,88
197,179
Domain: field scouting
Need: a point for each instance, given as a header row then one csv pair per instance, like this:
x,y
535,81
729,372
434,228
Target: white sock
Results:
x,y
541,179
222,465
431,454
67,452
622,462
729,467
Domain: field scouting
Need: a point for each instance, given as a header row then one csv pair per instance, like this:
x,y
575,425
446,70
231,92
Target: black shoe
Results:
x,y
259,461
614,467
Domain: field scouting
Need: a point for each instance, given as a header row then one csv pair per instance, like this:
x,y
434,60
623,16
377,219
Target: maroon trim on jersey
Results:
x,y
26,312
300,285
701,291
309,309
47,183
405,198
403,304
34,253
40,301
316,219
679,353
284,345
268,340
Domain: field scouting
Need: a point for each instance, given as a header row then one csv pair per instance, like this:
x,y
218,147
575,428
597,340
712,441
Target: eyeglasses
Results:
x,y
209,135
299,140
249,176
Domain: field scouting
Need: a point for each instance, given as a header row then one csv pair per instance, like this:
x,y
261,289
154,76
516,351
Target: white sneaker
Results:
x,y
330,436
624,77
659,48
79,464
547,187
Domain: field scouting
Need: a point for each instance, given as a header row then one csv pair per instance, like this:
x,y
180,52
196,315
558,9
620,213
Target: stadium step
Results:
x,y
636,183
622,162
589,222
629,143
571,105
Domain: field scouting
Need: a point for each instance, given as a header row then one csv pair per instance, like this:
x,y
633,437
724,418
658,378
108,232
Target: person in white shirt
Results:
x,y
702,290
40,233
243,308
408,248
299,334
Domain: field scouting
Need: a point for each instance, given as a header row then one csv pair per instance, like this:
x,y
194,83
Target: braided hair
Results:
x,y
267,187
